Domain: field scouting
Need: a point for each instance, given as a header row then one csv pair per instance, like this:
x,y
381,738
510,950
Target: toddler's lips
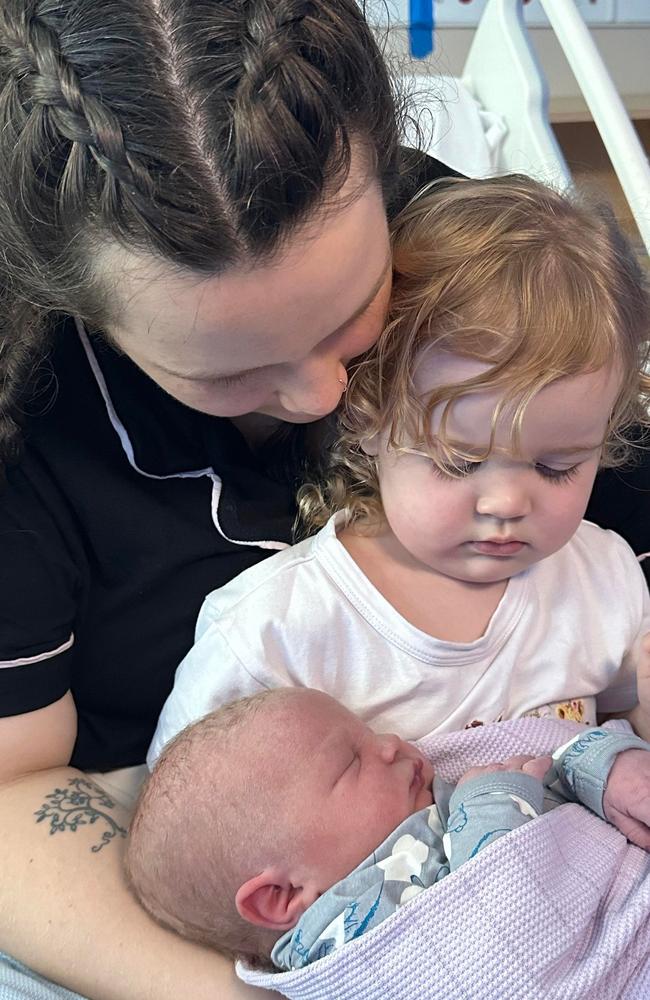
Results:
x,y
509,548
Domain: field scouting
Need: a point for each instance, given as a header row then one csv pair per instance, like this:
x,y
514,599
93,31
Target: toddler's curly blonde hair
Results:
x,y
536,284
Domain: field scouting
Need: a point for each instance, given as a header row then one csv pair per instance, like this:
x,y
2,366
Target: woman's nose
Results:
x,y
314,387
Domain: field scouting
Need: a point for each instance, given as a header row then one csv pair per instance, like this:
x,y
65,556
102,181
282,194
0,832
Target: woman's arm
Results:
x,y
66,910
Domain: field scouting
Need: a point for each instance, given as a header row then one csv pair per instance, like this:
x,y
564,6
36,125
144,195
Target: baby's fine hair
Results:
x,y
506,271
197,823
197,134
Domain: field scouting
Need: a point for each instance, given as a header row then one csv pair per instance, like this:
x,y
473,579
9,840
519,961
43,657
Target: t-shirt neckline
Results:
x,y
385,619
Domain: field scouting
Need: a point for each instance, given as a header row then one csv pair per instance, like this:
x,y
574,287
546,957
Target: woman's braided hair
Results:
x,y
197,131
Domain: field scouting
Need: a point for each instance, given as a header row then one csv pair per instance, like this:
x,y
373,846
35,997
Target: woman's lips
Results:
x,y
510,548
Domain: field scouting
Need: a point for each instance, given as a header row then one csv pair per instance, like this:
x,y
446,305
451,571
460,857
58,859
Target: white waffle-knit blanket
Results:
x,y
557,910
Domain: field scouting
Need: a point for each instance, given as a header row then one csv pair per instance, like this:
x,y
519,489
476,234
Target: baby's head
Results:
x,y
253,812
512,366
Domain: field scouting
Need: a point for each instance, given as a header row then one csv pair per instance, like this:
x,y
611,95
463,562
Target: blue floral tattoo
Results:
x,y
81,804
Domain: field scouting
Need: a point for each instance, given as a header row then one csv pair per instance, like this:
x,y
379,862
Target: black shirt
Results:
x,y
114,528
126,509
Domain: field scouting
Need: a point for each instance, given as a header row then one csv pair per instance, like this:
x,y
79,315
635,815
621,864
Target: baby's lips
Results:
x,y
428,772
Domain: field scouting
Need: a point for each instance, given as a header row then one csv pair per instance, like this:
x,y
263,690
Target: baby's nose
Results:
x,y
390,746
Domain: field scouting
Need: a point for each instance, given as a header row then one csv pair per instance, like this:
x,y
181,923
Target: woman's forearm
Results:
x,y
66,909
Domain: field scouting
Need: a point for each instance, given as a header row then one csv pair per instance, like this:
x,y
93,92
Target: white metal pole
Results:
x,y
609,114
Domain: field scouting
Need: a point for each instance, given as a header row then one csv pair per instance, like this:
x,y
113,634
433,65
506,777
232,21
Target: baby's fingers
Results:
x,y
538,767
636,832
535,766
478,770
519,762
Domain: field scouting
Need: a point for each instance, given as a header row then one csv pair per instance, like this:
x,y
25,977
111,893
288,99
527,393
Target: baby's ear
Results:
x,y
270,900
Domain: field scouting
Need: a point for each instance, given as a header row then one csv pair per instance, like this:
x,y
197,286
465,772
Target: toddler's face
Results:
x,y
352,788
511,510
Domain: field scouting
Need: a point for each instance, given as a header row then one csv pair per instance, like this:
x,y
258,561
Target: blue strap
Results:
x,y
421,28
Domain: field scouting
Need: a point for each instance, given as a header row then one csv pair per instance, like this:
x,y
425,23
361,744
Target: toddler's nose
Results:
x,y
504,502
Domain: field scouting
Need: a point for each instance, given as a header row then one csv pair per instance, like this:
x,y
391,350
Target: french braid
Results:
x,y
198,133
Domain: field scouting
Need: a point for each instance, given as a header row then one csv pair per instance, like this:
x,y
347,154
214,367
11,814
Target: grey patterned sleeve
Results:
x,y
485,808
581,767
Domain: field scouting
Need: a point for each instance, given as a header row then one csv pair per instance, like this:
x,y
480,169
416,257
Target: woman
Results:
x,y
193,207
208,186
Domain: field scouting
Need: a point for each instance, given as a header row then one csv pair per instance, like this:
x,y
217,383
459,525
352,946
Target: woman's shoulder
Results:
x,y
63,409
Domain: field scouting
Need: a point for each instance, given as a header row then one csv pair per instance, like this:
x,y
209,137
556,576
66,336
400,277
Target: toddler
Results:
x,y
291,853
453,580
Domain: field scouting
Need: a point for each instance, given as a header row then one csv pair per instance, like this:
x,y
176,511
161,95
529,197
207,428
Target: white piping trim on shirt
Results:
x,y
127,447
216,495
24,661
117,424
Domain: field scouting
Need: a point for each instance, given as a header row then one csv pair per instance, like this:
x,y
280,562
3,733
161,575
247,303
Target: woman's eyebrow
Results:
x,y
208,376
369,298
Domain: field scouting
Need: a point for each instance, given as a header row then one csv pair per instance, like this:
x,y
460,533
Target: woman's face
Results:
x,y
273,338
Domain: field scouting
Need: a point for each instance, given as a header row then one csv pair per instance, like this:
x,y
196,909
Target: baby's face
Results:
x,y
352,787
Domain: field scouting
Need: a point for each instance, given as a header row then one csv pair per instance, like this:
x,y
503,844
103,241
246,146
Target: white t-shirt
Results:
x,y
308,616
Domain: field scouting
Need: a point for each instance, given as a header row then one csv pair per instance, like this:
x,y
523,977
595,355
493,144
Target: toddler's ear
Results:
x,y
270,900
370,446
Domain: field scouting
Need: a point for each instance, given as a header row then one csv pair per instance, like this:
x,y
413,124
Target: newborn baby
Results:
x,y
280,827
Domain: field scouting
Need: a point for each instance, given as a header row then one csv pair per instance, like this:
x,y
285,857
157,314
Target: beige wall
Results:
x,y
625,51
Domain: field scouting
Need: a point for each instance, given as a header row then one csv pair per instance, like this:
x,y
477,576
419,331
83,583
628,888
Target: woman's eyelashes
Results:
x,y
349,346
230,381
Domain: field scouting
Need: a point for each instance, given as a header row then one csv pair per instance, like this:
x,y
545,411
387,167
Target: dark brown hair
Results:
x,y
197,131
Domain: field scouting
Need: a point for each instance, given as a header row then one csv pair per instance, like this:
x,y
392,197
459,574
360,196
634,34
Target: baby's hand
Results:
x,y
535,766
626,802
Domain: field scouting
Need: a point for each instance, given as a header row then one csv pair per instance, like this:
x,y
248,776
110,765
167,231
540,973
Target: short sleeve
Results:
x,y
211,675
633,600
39,588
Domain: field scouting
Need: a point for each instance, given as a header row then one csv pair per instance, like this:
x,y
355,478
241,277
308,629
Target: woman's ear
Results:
x,y
270,900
